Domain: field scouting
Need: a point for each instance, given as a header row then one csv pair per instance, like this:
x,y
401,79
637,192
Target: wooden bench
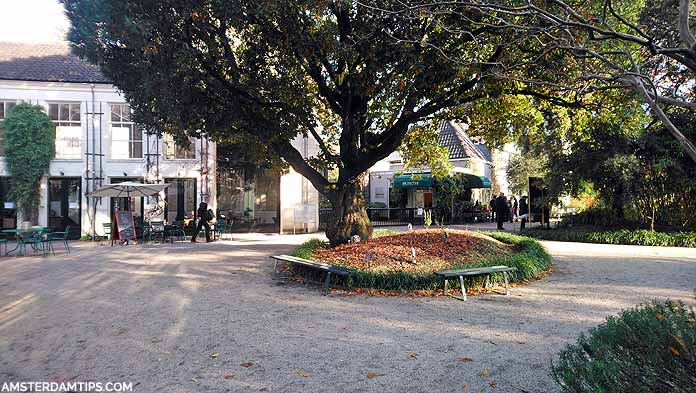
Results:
x,y
446,274
329,269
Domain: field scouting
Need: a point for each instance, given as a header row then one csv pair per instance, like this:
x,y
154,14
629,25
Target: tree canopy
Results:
x,y
353,77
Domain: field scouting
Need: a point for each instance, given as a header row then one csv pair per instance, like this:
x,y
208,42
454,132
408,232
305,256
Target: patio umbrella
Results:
x,y
128,189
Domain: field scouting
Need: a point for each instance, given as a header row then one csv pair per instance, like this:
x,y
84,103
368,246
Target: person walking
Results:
x,y
524,210
501,206
513,212
202,223
492,205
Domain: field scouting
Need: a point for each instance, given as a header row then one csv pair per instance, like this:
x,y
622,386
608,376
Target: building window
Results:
x,y
177,151
126,137
5,107
66,116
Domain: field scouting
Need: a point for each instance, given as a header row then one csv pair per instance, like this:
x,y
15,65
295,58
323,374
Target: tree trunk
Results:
x,y
349,214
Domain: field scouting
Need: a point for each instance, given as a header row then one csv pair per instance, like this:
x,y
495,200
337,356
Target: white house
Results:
x,y
391,185
97,143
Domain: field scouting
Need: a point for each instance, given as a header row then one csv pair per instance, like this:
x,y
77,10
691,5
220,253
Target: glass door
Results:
x,y
8,208
65,205
180,199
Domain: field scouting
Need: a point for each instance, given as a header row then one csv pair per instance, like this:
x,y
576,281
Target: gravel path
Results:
x,y
183,317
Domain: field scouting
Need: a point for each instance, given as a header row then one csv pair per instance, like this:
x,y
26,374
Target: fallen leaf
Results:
x,y
413,355
658,316
194,380
465,386
374,375
465,360
484,372
156,340
247,364
230,376
215,355
674,351
492,384
302,373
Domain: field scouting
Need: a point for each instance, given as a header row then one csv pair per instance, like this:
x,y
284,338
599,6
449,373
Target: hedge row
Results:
x,y
651,348
633,237
530,259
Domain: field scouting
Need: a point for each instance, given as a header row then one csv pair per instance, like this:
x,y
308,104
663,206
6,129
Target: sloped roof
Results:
x,y
485,151
453,136
45,63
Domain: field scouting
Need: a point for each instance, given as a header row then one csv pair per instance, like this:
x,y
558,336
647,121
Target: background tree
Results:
x,y
29,148
523,166
647,46
352,77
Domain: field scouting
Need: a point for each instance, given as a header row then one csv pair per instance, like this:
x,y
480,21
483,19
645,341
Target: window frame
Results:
x,y
168,139
69,123
133,130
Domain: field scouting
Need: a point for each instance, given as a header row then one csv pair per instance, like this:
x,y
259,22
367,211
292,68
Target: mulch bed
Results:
x,y
433,251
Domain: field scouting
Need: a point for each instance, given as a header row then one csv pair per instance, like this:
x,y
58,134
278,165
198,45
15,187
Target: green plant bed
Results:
x,y
638,237
651,348
527,255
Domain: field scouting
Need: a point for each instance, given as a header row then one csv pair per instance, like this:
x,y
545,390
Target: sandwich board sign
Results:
x,y
125,227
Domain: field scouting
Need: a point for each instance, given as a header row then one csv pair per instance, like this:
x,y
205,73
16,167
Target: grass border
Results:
x,y
641,237
530,259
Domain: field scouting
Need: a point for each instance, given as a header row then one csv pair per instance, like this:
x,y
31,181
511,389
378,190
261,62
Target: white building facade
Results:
x,y
97,143
389,187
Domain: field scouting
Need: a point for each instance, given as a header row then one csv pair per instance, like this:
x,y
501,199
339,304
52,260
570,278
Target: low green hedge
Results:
x,y
651,348
623,236
530,259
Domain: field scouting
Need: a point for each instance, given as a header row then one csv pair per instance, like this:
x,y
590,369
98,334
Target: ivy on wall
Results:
x,y
29,148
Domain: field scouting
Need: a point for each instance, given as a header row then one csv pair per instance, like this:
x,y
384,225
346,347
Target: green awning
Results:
x,y
425,180
477,181
413,180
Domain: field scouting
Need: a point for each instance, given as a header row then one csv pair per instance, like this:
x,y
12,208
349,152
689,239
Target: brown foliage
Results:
x,y
433,251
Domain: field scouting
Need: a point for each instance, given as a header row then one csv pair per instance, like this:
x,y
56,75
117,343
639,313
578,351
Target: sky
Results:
x,y
32,21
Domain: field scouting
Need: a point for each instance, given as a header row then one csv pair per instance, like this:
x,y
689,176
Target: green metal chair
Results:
x,y
152,230
176,230
58,236
35,240
223,229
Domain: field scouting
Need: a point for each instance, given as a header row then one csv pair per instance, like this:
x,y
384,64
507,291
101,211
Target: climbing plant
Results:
x,y
29,148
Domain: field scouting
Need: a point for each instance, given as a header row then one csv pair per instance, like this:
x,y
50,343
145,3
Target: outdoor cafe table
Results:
x,y
18,232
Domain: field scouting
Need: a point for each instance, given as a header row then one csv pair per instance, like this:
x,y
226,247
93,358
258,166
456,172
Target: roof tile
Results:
x,y
453,136
46,63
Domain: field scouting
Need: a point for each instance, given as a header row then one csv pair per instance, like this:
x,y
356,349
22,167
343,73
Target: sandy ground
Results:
x,y
183,318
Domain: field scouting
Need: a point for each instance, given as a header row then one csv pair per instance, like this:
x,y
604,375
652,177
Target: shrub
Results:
x,y
623,236
306,249
599,216
650,348
530,259
29,148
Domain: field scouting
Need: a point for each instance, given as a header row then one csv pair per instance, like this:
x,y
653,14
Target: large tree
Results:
x,y
352,77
